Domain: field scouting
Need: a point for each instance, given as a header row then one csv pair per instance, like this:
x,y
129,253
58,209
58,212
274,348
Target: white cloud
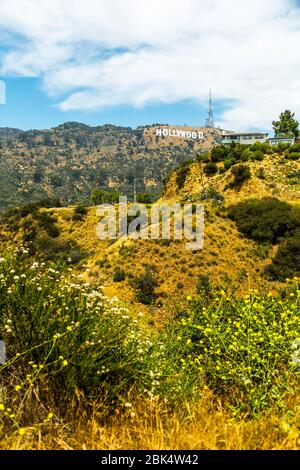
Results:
x,y
93,54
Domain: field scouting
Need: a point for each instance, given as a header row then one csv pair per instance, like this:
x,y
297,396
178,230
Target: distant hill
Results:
x,y
71,160
8,133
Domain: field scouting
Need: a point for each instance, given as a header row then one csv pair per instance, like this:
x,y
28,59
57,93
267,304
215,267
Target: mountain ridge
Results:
x,y
73,159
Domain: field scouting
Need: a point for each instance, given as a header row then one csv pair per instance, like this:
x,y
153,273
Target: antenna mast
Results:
x,y
210,119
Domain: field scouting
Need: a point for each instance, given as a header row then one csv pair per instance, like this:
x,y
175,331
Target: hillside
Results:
x,y
68,162
228,257
114,343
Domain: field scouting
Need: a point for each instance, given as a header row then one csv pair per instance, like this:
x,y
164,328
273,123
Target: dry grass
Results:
x,y
153,428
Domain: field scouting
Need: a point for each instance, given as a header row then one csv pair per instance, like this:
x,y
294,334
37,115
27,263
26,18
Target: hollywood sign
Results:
x,y
195,135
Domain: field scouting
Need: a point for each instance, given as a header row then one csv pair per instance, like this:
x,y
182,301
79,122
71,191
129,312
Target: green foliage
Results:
x,y
80,212
294,174
12,216
265,220
241,174
119,275
203,157
243,348
263,147
286,126
229,162
68,344
64,339
212,194
261,174
210,169
101,196
294,148
258,155
293,156
145,286
286,263
47,222
182,173
219,153
204,286
145,198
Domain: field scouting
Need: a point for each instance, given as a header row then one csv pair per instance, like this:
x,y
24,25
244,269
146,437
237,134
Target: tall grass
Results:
x,y
71,350
244,348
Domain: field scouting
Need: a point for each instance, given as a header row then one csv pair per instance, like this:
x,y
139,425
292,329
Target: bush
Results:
x,y
265,220
211,194
119,275
247,155
294,174
210,169
219,153
203,157
204,286
145,286
145,198
294,148
53,329
100,196
286,263
47,222
243,348
293,156
241,174
261,174
79,213
229,162
181,173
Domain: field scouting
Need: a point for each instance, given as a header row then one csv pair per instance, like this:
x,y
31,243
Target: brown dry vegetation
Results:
x,y
152,427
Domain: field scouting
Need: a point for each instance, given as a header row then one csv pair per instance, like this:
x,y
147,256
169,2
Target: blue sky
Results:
x,y
28,107
110,61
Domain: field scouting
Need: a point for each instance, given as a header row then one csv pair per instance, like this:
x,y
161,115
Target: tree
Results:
x,y
287,126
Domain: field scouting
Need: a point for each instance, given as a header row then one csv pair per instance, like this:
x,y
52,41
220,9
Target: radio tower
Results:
x,y
210,119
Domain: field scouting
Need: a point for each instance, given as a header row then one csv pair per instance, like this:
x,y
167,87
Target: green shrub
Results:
x,y
182,173
47,222
247,155
210,169
294,148
293,156
204,286
258,155
219,153
241,174
101,196
229,162
286,263
145,198
80,212
243,348
265,220
261,174
145,286
119,275
212,194
203,157
294,174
